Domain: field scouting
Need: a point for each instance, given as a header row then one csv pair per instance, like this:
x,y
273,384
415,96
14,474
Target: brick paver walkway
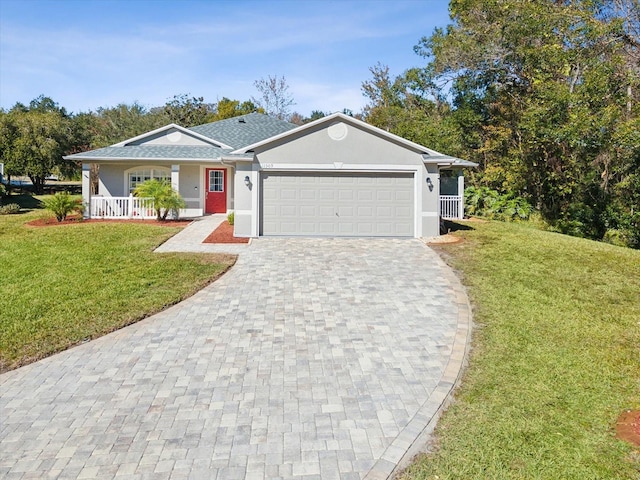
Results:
x,y
310,358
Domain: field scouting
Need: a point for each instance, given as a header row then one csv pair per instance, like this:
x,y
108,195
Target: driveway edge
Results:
x,y
415,437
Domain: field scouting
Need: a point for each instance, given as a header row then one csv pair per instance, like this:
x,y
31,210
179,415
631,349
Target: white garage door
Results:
x,y
332,204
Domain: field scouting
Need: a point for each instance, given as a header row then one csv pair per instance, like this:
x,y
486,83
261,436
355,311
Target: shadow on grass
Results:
x,y
27,202
448,226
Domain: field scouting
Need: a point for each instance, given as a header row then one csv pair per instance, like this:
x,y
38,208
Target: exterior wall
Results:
x,y
244,204
111,180
189,185
335,147
170,137
356,147
431,202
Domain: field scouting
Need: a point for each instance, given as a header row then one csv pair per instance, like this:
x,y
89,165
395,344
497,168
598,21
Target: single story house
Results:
x,y
336,176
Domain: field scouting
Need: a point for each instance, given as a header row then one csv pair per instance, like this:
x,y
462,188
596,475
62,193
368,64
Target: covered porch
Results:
x,y
451,194
205,188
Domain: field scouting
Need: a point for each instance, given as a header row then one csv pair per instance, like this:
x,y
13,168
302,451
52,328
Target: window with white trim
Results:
x,y
216,181
135,177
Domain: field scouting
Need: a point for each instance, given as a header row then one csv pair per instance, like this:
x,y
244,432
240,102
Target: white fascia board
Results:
x,y
236,158
329,167
186,131
453,162
346,119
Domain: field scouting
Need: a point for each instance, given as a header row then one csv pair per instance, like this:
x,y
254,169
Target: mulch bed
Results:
x,y
628,427
52,222
224,234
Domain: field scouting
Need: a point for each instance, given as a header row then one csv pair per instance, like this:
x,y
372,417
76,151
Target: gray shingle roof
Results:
x,y
243,130
160,152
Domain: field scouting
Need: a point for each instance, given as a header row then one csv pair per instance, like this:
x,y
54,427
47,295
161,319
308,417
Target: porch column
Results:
x,y
86,189
461,194
175,177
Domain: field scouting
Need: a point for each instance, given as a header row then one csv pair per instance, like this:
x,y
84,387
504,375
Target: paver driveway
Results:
x,y
311,358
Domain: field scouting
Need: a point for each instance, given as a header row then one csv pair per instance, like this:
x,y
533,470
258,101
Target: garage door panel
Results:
x,y
326,194
365,212
346,195
325,211
337,204
386,195
308,211
288,194
308,194
326,228
402,196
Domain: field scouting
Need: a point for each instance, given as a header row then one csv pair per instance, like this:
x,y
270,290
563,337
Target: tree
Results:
x,y
165,198
188,111
315,115
110,125
33,140
545,95
274,98
227,108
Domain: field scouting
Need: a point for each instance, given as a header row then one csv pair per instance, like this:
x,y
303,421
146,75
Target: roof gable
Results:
x,y
244,129
428,155
172,135
339,117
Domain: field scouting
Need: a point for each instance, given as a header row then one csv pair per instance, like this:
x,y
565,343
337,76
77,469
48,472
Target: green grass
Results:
x,y
61,285
555,359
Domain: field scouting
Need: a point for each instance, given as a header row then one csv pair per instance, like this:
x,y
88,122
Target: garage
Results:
x,y
337,204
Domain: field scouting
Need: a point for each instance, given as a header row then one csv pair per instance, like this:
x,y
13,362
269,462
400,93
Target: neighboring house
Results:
x,y
336,176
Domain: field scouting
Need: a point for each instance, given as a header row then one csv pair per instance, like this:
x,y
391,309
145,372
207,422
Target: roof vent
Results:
x,y
241,120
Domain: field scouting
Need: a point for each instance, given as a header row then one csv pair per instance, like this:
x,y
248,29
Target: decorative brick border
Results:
x,y
414,438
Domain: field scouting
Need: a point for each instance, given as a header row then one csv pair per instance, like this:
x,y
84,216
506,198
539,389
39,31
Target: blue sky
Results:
x,y
87,54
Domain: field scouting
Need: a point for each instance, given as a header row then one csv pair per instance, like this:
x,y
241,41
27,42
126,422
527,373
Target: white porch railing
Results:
x,y
451,207
122,207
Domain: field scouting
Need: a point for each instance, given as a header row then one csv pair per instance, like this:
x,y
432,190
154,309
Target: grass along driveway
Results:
x,y
555,359
62,285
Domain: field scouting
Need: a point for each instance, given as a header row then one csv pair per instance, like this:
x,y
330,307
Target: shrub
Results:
x,y
165,199
3,190
231,218
484,202
616,237
9,209
62,204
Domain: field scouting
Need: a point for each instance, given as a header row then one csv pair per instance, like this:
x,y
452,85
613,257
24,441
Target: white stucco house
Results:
x,y
336,176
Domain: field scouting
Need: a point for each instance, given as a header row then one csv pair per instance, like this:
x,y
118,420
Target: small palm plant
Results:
x,y
62,204
165,198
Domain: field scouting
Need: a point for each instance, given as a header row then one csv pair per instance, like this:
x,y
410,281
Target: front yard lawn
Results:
x,y
62,285
555,359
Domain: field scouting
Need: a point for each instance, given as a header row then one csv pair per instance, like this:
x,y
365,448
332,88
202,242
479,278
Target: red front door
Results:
x,y
216,192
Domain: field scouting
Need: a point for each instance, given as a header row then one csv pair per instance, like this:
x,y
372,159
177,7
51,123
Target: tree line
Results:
x,y
542,95
35,137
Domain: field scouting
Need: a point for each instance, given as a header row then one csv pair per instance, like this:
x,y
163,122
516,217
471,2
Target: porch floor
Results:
x,y
190,238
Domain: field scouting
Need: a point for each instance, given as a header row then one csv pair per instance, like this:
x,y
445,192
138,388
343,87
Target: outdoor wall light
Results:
x,y
247,181
430,184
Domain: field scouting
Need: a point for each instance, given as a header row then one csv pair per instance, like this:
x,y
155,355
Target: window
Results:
x,y
136,177
216,181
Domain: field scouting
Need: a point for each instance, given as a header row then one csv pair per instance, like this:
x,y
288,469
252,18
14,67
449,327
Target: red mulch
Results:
x,y
74,220
628,427
224,234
